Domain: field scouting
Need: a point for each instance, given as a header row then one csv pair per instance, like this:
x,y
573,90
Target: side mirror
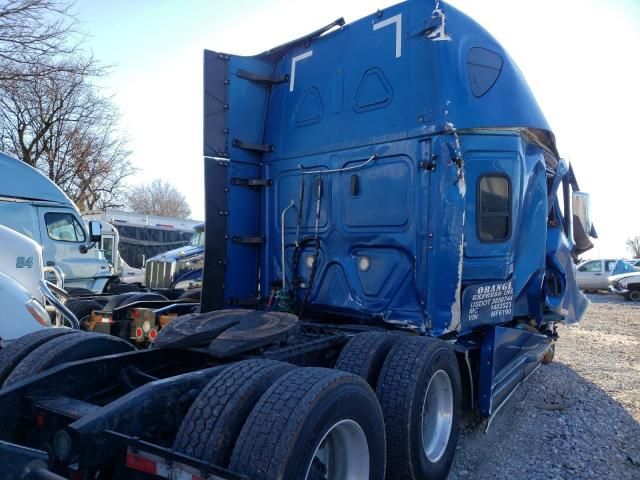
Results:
x,y
581,203
583,229
95,231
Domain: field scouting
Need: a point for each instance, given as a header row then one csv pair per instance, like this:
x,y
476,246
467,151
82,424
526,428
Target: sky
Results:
x,y
581,58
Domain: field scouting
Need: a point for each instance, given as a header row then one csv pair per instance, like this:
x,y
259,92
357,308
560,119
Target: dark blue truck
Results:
x,y
390,239
180,269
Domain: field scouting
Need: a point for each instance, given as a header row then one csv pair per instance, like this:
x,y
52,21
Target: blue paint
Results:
x,y
401,130
508,355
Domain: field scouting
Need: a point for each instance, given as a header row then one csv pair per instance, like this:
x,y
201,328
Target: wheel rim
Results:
x,y
437,416
635,296
342,454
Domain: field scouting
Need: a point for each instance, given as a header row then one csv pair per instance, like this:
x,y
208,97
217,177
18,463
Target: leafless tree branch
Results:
x,y
158,198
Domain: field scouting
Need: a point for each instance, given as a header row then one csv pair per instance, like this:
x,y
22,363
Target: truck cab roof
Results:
x,y
22,181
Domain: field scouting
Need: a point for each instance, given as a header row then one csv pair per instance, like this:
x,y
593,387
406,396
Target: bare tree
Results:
x,y
60,125
158,198
51,114
34,34
633,245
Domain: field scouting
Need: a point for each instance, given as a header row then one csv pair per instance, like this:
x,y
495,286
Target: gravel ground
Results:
x,y
577,418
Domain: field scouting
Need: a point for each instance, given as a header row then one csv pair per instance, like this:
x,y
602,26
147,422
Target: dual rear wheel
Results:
x,y
271,420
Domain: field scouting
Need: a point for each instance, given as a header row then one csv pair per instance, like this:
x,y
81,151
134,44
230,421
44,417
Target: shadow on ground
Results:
x,y
558,425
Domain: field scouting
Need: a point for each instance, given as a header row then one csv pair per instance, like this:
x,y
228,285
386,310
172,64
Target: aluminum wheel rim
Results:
x,y
437,416
341,454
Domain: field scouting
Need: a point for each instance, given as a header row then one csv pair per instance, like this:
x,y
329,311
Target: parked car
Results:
x,y
625,280
593,274
635,263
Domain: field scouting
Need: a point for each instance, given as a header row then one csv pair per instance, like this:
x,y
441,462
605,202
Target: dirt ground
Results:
x,y
577,418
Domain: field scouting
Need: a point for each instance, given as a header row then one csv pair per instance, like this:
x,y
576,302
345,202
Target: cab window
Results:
x,y
107,248
63,227
593,267
494,208
609,264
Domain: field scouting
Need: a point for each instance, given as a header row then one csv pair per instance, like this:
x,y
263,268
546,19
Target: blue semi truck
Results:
x,y
390,239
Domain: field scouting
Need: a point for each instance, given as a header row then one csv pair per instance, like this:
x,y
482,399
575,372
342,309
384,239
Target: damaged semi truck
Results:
x,y
390,239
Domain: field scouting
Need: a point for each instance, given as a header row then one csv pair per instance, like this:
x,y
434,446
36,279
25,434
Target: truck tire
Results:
x,y
64,349
15,351
82,310
212,424
123,299
309,414
420,375
193,294
634,295
123,288
365,353
78,291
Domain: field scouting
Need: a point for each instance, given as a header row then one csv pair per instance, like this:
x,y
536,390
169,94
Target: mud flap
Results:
x,y
508,357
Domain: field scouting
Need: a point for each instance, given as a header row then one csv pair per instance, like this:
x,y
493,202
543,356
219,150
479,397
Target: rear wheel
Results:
x,y
212,424
131,297
193,294
78,291
313,423
634,295
82,309
15,351
64,349
123,288
420,394
365,353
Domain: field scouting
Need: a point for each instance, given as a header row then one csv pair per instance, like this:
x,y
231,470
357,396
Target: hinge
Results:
x,y
251,182
260,78
429,165
256,147
249,239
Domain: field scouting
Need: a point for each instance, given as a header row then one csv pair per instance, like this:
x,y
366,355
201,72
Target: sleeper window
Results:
x,y
494,208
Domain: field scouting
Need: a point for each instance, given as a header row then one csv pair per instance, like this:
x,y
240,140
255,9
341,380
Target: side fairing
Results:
x,y
234,118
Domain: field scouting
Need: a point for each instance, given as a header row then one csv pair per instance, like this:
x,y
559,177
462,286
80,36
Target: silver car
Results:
x,y
593,274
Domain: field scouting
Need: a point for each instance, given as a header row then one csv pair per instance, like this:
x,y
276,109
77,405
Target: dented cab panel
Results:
x,y
367,147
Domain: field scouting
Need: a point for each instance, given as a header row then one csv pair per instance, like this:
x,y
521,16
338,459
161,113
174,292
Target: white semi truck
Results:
x,y
34,206
28,301
130,238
